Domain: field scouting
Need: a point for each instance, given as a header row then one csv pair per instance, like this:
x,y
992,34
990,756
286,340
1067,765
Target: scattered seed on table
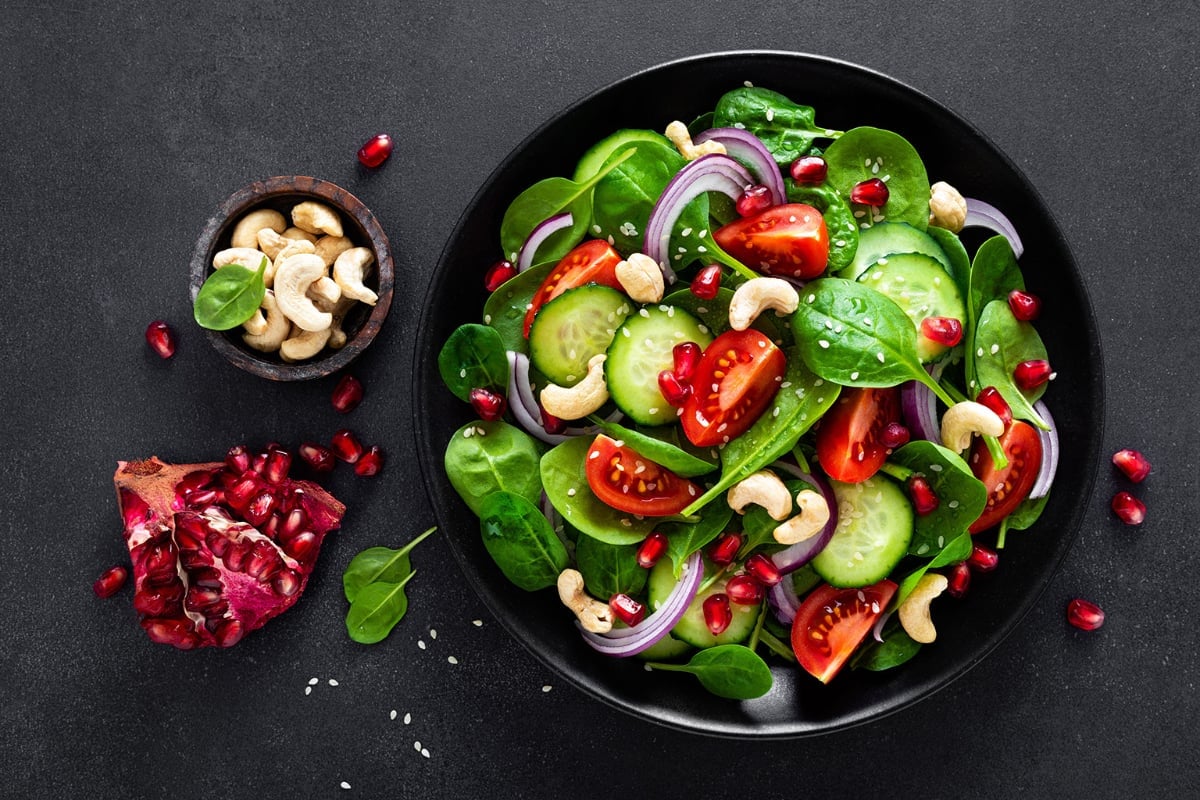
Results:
x,y
333,682
424,752
308,690
421,643
432,633
546,688
313,681
393,714
407,718
452,660
478,623
417,746
345,785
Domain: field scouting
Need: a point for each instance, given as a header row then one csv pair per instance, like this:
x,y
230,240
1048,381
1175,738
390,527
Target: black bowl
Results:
x,y
844,96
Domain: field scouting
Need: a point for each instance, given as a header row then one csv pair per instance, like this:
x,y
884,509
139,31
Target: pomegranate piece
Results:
x,y
375,151
318,457
1032,374
673,390
652,548
347,394
707,282
488,405
1084,614
370,464
110,581
724,549
204,574
894,435
685,357
1131,462
238,459
1128,508
753,200
809,170
277,465
744,590
1024,306
983,559
958,580
161,338
626,609
991,397
943,330
763,569
346,446
717,613
551,423
871,192
498,274
924,500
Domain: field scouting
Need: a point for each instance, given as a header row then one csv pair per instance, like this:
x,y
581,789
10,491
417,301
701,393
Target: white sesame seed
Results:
x,y
313,681
432,633
478,623
452,659
308,690
462,373
407,718
953,504
393,714
770,114
853,376
879,355
686,232
424,752
417,746
979,352
994,349
333,682
487,319
421,643
824,344
344,785
546,688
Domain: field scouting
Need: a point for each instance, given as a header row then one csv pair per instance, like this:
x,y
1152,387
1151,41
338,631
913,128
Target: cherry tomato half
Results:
x,y
594,261
849,444
628,482
832,622
783,240
1008,487
735,381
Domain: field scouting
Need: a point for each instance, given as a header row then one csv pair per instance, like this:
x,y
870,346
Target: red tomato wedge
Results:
x,y
1008,487
832,622
848,439
735,381
623,479
594,261
783,240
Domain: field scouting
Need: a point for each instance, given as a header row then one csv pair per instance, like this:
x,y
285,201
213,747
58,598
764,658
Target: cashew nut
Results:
x,y
349,270
581,399
292,279
303,344
330,247
757,295
641,278
337,335
257,324
678,133
272,243
593,615
245,233
763,488
963,419
316,217
293,247
812,519
947,207
295,233
914,611
278,327
247,257
324,293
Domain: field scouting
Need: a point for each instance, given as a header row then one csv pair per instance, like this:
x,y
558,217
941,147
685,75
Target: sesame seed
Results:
x,y
819,382
953,504
748,84
462,373
308,690
571,492
333,682
879,355
393,714
487,319
432,633
686,232
979,352
417,746
770,114
995,349
421,643
424,752
853,376
344,785
407,718
546,688
478,623
452,659
313,681
935,467
824,344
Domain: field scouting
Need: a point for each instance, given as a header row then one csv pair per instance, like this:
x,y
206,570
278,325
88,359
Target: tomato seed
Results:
x,y
1084,614
707,282
498,274
1131,462
1128,508
375,151
871,192
809,170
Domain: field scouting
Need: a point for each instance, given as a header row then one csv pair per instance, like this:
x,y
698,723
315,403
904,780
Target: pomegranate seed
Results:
x,y
1128,508
375,151
707,282
1025,307
894,435
871,192
346,446
959,579
277,466
753,200
260,508
652,548
943,330
498,274
238,459
1133,464
370,464
110,582
301,546
745,590
717,613
271,527
626,609
686,357
725,549
347,394
991,397
983,559
809,170
286,583
1084,614
673,390
201,479
296,521
551,423
161,338
764,569
243,491
488,405
318,457
1032,374
924,499
176,632
231,631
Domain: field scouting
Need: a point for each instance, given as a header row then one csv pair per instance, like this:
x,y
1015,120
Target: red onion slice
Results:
x,y
799,554
1050,448
525,408
625,642
784,601
540,233
749,149
984,215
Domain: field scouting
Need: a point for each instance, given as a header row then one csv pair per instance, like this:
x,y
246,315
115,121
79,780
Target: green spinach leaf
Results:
x,y
685,538
896,648
956,550
473,358
609,569
961,495
505,308
521,542
864,153
786,128
1023,517
662,447
1001,343
376,610
379,565
564,476
486,457
230,296
732,671
758,527
839,220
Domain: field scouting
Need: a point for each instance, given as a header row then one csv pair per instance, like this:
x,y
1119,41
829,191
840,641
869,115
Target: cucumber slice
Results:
x,y
572,328
919,285
691,628
875,526
639,351
597,154
888,238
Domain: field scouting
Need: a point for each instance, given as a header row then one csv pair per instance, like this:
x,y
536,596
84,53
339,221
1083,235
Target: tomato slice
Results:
x,y
1008,487
628,482
832,622
594,261
783,240
848,445
734,382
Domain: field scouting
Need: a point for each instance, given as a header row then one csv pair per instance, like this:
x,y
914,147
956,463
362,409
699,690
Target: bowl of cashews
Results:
x,y
328,275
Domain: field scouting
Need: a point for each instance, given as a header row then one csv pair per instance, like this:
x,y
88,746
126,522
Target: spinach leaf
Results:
x,y
758,527
564,477
609,569
505,308
486,457
685,538
1001,343
839,220
659,448
956,550
473,358
732,671
1024,515
376,610
230,296
994,273
786,128
959,263
714,313
896,648
379,565
962,496
521,542
864,153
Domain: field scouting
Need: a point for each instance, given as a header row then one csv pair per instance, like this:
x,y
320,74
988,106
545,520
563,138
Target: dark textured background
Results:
x,y
124,128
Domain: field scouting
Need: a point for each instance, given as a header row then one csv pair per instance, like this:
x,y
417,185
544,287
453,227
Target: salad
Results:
x,y
744,392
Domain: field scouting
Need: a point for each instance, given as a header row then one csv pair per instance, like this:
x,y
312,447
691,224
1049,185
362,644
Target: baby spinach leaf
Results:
x,y
564,476
1027,513
956,550
505,308
659,448
376,610
994,273
473,358
609,569
521,542
786,128
959,263
732,671
230,296
379,565
962,496
896,648
486,457
685,538
839,220
1001,343
864,153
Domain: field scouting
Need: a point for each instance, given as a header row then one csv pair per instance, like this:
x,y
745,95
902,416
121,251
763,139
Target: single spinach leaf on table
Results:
x,y
685,538
505,308
732,671
961,495
379,565
486,457
230,296
609,569
564,477
376,610
839,220
864,153
473,358
1001,343
786,128
662,447
521,542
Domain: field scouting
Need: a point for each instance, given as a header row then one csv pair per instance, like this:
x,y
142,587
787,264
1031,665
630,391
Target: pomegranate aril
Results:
x,y
551,423
371,463
991,397
239,554
161,338
264,561
346,446
110,582
725,549
261,508
302,546
924,499
499,274
278,465
158,563
707,282
229,632
347,394
744,590
1024,306
238,459
652,548
239,495
871,192
488,405
1128,508
159,601
203,498
983,558
753,200
1084,614
318,457
717,613
764,569
194,482
177,632
200,599
286,583
271,527
809,170
1131,462
626,609
296,521
375,151
1032,374
958,580
894,435
943,330
217,544
685,357
674,391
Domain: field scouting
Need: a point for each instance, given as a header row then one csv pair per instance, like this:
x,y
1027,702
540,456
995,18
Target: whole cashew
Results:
x,y
292,279
641,278
757,295
678,133
324,292
330,247
316,218
812,519
947,207
245,233
257,324
964,419
349,270
295,233
581,399
914,611
763,488
293,247
278,327
593,615
337,335
303,344
247,257
272,243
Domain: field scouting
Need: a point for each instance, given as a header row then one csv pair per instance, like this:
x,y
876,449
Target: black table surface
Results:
x,y
123,128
